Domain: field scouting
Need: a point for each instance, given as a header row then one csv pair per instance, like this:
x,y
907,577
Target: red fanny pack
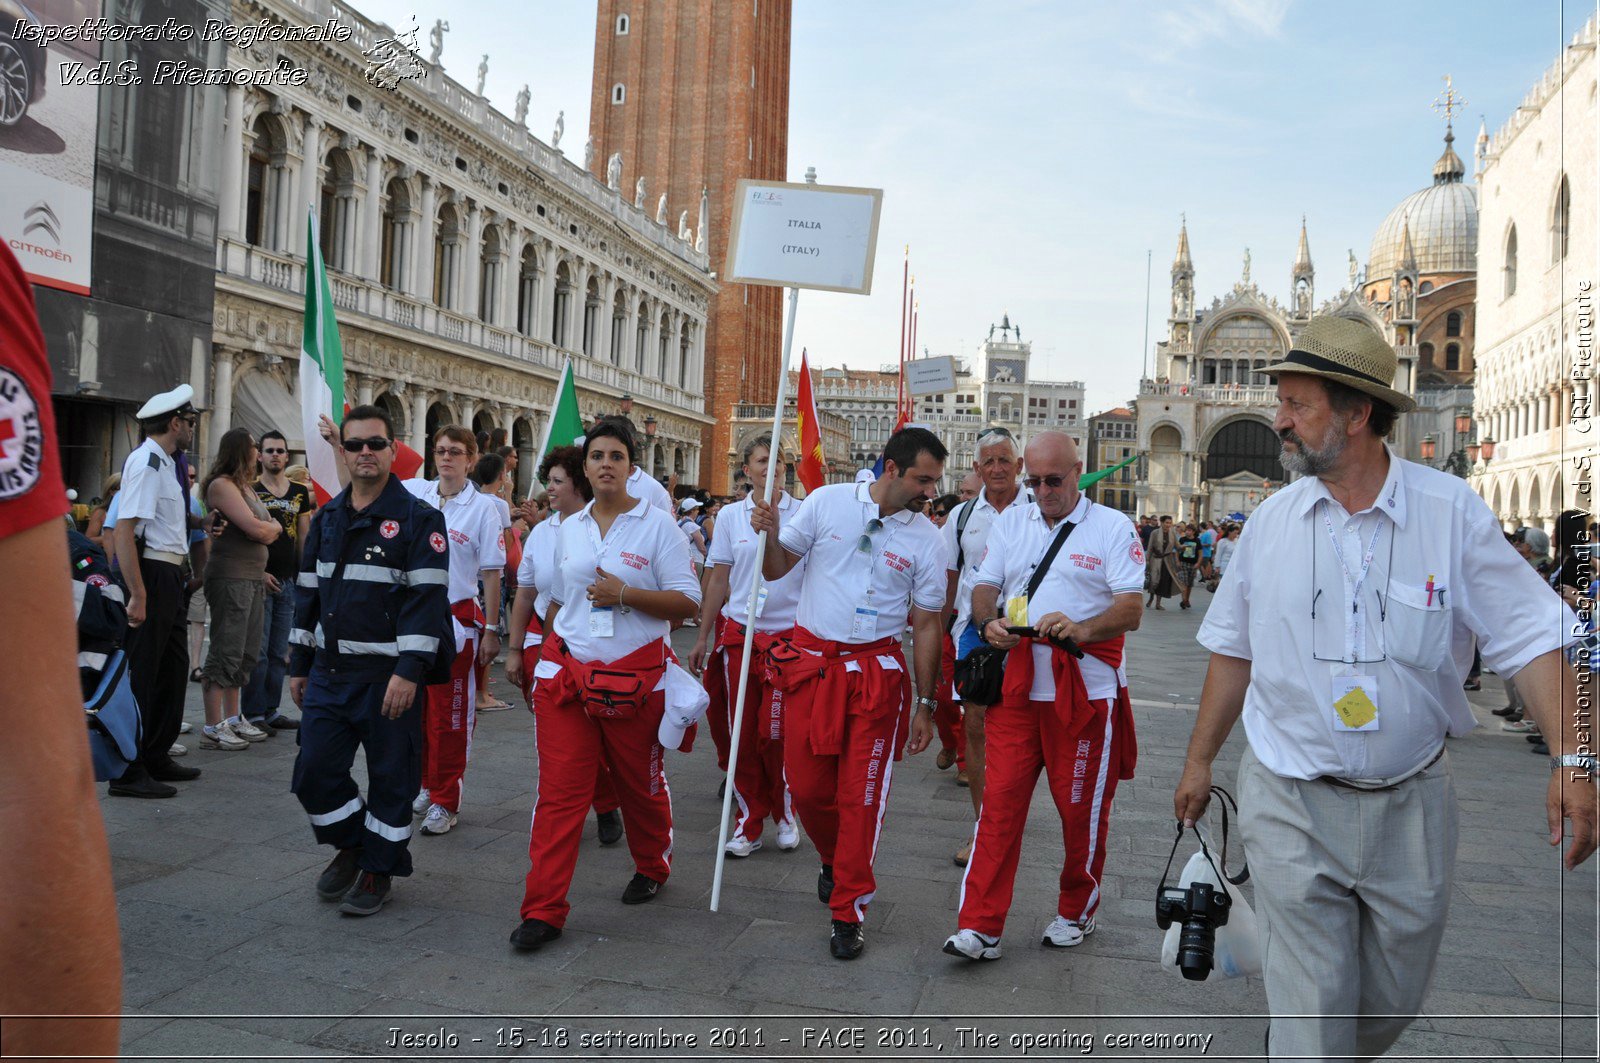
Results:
x,y
615,690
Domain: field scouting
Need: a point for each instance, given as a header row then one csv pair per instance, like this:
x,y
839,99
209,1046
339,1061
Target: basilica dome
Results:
x,y
1443,219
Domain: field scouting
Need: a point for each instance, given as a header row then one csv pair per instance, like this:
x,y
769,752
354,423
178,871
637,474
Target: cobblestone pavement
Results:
x,y
228,952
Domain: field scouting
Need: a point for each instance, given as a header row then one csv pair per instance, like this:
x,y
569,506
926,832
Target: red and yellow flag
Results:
x,y
812,465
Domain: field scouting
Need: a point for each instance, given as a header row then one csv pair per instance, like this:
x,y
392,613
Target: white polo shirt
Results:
x,y
904,564
1101,558
974,541
644,549
734,545
474,524
642,485
1426,526
538,569
151,494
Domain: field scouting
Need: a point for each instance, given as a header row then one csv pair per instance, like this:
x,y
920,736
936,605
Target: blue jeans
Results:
x,y
259,699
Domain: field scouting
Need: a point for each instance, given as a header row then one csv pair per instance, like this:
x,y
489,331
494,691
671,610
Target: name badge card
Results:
x,y
761,600
1355,702
864,627
602,622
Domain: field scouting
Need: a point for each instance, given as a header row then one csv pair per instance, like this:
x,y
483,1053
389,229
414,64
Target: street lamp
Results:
x,y
1463,423
1488,450
650,426
1473,449
627,404
1429,448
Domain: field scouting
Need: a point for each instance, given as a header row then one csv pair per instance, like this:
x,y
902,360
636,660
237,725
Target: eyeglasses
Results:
x,y
275,450
449,452
1032,482
375,444
874,526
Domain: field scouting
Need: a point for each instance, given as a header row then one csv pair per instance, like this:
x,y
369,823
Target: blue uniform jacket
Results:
x,y
373,589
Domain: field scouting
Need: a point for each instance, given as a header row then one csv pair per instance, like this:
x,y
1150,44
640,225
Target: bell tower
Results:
x,y
1302,279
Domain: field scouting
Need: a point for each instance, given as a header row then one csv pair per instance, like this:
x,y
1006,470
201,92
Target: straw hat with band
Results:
x,y
1338,348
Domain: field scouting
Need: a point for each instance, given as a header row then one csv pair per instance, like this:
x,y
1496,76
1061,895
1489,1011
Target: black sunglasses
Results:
x,y
1052,481
356,446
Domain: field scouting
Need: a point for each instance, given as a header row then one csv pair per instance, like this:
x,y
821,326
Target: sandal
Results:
x,y
1472,684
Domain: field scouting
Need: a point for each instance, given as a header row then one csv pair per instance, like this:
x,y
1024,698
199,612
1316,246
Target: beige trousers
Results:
x,y
1351,894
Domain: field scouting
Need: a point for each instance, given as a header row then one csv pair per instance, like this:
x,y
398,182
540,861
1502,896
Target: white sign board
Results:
x,y
804,236
931,376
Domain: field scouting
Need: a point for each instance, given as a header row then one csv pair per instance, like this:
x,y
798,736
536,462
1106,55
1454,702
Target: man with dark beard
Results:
x,y
1341,632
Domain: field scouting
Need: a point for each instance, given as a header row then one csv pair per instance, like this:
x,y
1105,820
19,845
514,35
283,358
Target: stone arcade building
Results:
x,y
468,259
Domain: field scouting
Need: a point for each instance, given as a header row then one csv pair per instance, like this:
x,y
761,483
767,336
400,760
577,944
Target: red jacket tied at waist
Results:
x,y
1072,703
730,633
467,611
825,663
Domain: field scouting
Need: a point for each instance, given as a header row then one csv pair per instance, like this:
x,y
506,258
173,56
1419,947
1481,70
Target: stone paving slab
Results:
x,y
222,930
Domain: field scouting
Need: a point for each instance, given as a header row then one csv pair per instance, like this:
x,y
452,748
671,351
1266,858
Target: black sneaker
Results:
x,y
169,771
847,942
641,888
610,826
533,934
367,895
278,722
825,884
140,784
1536,738
1507,711
1541,748
338,876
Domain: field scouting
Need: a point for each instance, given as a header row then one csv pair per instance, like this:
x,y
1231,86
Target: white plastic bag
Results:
x,y
1237,949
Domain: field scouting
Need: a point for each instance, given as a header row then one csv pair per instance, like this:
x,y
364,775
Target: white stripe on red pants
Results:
x,y
1022,740
450,714
758,785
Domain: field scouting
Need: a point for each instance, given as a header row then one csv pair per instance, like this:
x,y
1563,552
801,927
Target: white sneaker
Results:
x,y
741,847
972,945
439,820
185,727
420,803
178,750
788,835
221,737
1063,933
247,730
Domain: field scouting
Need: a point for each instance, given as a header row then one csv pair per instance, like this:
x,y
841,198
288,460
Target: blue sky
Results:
x,y
1031,151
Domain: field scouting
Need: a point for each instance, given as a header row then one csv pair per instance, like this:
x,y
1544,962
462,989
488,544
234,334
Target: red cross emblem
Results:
x,y
389,529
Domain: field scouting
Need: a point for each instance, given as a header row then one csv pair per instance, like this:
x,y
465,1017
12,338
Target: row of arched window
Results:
x,y
1560,224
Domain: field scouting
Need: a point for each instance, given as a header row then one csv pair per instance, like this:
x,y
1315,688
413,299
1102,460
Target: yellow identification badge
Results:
x,y
1355,702
1017,611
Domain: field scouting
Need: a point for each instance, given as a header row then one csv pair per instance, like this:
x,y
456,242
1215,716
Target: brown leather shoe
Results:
x,y
961,778
946,758
964,854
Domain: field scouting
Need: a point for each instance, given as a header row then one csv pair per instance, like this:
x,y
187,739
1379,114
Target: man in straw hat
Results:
x,y
1341,631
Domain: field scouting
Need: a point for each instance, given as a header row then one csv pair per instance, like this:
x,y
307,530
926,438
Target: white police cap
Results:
x,y
167,402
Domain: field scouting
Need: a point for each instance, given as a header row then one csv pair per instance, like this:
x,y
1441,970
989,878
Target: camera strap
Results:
x,y
1244,873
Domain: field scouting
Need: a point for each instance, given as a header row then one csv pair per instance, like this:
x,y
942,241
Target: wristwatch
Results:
x,y
926,702
1573,760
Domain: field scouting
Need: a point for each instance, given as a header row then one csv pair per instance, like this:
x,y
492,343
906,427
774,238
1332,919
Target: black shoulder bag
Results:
x,y
961,551
979,675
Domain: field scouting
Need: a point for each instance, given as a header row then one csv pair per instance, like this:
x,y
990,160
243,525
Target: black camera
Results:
x,y
1201,908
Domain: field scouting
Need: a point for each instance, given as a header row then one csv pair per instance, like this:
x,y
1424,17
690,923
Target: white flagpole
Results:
x,y
774,460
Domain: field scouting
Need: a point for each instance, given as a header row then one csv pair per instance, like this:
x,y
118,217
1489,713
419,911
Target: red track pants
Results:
x,y
605,794
947,714
450,714
842,797
572,748
759,789
1081,770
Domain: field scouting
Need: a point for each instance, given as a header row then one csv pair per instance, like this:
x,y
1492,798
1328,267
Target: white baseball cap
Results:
x,y
689,503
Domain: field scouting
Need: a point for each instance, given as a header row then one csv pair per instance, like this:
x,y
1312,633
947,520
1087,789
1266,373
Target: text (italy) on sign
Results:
x,y
803,236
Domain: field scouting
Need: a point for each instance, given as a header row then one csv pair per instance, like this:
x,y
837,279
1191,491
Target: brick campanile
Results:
x,y
703,87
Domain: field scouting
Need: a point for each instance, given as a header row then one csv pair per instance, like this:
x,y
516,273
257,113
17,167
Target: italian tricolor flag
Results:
x,y
565,424
321,370
322,379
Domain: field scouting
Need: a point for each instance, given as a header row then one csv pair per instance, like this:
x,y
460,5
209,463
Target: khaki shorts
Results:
x,y
237,606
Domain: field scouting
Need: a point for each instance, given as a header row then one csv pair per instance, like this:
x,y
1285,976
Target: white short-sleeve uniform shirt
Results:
x,y
1441,577
899,565
1100,559
735,546
642,485
644,549
473,520
538,569
151,494
974,541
